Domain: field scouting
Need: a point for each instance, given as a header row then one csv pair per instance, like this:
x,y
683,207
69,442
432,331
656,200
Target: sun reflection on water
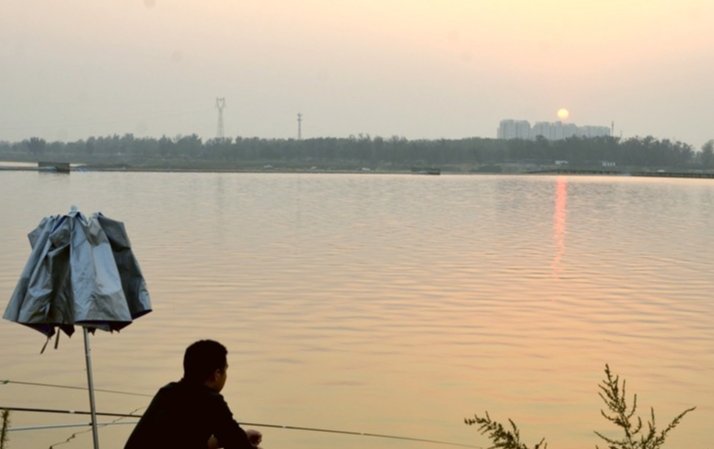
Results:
x,y
559,223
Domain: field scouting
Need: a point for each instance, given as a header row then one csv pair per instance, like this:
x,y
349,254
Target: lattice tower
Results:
x,y
220,104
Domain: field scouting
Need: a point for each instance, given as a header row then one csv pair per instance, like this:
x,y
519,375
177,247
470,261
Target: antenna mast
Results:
x,y
299,125
220,104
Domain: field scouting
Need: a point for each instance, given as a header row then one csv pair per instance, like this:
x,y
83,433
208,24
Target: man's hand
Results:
x,y
254,437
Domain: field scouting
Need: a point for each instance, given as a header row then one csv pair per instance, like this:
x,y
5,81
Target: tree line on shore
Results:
x,y
468,154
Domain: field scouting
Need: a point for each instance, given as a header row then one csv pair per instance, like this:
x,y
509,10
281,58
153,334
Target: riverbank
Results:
x,y
26,166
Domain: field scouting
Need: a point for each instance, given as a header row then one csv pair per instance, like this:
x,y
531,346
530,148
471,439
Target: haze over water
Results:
x,y
388,304
419,69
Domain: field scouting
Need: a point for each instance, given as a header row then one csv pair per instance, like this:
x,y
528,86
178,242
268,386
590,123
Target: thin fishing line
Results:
x,y
69,387
68,412
355,433
76,434
273,426
68,426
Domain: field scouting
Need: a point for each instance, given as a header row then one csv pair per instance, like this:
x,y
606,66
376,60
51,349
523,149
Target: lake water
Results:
x,y
387,304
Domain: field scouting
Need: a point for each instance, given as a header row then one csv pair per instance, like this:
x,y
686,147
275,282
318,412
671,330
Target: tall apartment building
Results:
x,y
521,129
514,129
553,130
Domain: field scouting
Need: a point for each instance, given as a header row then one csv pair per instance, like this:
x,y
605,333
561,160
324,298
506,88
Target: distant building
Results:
x,y
521,129
514,129
554,130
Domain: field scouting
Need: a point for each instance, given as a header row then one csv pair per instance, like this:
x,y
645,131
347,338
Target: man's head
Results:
x,y
204,362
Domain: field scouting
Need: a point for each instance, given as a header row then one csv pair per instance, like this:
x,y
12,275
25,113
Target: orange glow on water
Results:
x,y
559,223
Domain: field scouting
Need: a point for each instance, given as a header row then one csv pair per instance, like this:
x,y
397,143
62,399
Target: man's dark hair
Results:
x,y
202,358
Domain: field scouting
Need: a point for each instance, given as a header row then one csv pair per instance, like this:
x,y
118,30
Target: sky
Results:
x,y
420,69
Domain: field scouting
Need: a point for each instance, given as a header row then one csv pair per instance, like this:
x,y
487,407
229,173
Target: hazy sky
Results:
x,y
414,68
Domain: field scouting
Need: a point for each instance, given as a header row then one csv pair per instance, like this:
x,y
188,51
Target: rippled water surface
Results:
x,y
388,304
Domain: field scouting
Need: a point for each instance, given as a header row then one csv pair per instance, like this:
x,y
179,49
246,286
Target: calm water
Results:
x,y
388,304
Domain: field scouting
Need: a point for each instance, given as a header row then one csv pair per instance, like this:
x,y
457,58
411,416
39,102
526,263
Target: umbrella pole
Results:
x,y
90,384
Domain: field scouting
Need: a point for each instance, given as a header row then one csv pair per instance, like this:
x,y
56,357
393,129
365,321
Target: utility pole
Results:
x,y
299,118
220,104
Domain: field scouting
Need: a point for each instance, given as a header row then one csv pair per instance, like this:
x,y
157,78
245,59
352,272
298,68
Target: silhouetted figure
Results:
x,y
191,413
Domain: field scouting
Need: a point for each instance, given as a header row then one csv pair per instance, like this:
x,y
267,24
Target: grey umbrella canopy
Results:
x,y
81,271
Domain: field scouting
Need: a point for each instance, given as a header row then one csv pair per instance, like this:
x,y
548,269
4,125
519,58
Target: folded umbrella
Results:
x,y
81,271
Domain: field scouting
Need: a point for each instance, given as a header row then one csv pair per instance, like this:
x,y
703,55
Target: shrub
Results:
x,y
613,394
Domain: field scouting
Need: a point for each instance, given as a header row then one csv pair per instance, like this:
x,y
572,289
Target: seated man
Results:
x,y
191,413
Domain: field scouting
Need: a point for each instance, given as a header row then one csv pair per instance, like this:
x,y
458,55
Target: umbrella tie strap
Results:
x,y
42,351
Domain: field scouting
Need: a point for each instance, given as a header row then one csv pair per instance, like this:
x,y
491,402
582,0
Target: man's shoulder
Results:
x,y
167,389
182,388
169,386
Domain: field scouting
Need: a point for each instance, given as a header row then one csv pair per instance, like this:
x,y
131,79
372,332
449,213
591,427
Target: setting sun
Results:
x,y
563,114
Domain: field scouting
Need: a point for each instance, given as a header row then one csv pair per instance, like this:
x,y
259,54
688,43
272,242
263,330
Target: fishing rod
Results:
x,y
273,426
69,387
68,426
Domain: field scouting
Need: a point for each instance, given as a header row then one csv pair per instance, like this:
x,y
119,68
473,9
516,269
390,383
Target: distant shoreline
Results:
x,y
277,170
645,156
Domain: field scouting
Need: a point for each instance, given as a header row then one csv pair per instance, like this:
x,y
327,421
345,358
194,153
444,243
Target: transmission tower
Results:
x,y
299,126
220,104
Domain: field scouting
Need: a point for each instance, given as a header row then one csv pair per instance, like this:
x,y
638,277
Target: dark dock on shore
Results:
x,y
59,167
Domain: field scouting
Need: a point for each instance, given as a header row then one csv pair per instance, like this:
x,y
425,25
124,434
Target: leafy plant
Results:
x,y
613,394
502,437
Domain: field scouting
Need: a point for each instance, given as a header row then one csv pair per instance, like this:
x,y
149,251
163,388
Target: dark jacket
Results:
x,y
183,415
